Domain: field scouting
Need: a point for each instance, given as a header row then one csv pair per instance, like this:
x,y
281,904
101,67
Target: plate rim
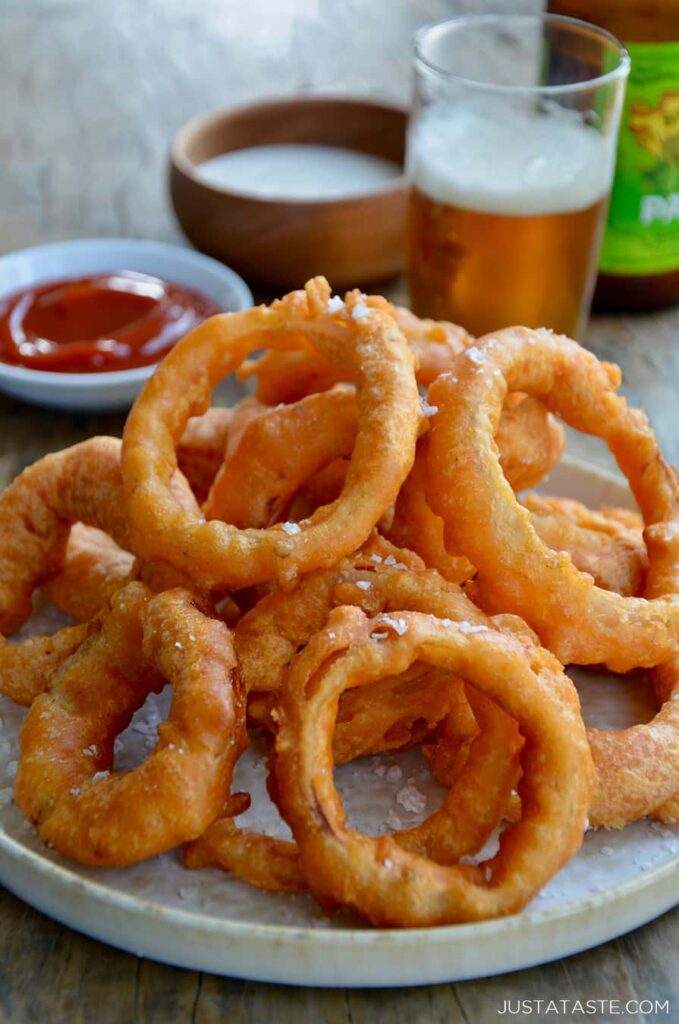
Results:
x,y
209,922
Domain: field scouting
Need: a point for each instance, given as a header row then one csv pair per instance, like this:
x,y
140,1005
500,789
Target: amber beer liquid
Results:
x,y
506,218
487,270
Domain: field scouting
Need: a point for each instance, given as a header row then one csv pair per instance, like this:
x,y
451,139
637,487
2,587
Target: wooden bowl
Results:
x,y
282,243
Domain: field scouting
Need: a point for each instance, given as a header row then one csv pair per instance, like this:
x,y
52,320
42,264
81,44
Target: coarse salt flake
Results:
x,y
291,528
359,311
427,409
399,626
392,819
467,627
390,560
363,584
411,799
475,355
335,304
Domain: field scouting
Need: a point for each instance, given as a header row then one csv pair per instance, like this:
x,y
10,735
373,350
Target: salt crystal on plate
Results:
x,y
392,819
395,773
411,800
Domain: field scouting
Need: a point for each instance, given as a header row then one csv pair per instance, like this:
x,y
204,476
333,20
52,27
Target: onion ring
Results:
x,y
638,768
261,860
67,736
277,452
288,376
385,716
37,510
26,668
78,488
94,568
202,446
284,448
530,441
378,878
580,622
215,554
599,544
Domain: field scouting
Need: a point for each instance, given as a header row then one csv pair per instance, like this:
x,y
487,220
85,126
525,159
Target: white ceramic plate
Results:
x,y
105,392
210,921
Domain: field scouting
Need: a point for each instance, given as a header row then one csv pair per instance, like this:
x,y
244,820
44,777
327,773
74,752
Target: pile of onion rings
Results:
x,y
346,563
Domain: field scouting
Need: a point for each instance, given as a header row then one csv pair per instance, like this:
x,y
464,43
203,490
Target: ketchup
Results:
x,y
111,321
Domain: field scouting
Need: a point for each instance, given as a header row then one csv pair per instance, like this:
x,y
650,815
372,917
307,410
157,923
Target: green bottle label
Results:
x,y
642,235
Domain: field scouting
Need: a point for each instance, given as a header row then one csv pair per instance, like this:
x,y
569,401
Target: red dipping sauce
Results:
x,y
111,321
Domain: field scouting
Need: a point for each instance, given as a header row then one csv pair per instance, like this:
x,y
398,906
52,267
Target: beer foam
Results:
x,y
488,156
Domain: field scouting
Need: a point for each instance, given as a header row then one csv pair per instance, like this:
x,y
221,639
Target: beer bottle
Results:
x,y
639,264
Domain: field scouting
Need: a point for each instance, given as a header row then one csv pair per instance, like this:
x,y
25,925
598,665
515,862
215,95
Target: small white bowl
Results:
x,y
115,390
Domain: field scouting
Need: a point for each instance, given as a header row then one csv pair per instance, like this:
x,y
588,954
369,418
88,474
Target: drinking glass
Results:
x,y
511,152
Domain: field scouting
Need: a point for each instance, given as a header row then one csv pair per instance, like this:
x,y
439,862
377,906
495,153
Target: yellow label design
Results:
x,y
642,235
657,128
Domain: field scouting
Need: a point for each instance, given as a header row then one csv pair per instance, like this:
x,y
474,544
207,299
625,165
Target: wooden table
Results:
x,y
93,93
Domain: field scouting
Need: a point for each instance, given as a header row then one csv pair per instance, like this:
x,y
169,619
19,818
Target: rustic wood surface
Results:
x,y
93,92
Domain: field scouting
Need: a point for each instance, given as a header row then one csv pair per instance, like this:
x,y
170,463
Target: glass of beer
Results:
x,y
511,152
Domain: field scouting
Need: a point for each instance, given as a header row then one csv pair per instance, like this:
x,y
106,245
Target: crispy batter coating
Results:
x,y
26,668
216,554
65,779
277,452
37,510
517,572
94,568
612,553
288,376
378,878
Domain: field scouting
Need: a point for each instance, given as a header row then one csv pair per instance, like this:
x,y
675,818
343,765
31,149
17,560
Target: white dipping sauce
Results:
x,y
298,171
